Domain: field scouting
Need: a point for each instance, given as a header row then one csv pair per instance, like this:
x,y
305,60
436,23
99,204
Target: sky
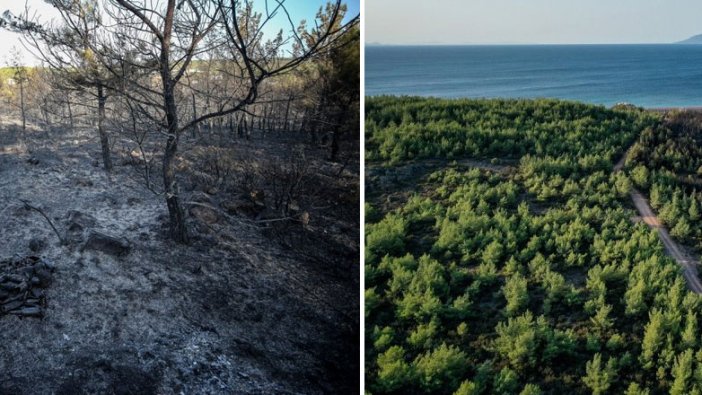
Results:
x,y
531,21
298,9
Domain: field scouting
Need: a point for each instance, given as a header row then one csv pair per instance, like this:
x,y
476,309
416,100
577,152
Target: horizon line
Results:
x,y
377,44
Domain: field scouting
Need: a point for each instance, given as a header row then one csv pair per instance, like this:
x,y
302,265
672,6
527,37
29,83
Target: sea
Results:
x,y
651,76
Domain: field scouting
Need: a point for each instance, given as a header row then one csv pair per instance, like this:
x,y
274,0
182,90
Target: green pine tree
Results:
x,y
599,378
653,339
689,335
516,293
682,372
694,210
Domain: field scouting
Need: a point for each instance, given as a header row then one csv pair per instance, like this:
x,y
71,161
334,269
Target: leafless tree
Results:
x,y
20,78
67,51
143,50
169,35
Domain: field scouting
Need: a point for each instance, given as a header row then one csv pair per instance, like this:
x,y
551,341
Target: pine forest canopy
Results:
x,y
526,275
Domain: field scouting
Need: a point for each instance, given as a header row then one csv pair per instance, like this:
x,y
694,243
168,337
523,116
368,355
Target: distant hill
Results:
x,y
692,40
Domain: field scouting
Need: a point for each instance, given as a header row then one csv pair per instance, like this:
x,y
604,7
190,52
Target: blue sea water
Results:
x,y
658,75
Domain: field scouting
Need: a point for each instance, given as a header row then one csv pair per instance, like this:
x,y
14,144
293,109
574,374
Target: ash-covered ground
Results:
x,y
234,312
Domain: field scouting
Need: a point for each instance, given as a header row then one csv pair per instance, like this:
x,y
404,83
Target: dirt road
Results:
x,y
677,252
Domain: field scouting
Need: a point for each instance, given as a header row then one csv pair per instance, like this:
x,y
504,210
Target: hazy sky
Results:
x,y
299,9
531,21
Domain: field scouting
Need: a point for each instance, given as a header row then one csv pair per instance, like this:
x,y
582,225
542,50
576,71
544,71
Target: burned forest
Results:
x,y
179,198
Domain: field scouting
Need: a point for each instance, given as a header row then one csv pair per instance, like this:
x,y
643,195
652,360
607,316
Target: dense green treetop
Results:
x,y
405,128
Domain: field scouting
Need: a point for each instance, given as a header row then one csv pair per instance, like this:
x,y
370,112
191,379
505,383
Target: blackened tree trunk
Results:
x,y
104,140
45,111
176,215
287,114
70,113
24,115
196,130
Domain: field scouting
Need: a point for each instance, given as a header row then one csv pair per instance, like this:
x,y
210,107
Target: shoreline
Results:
x,y
694,108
